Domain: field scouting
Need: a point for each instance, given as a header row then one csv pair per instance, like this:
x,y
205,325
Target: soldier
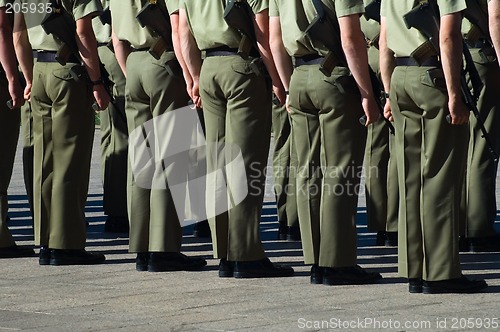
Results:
x,y
153,87
63,134
284,171
481,177
431,152
381,189
325,119
236,98
114,136
10,88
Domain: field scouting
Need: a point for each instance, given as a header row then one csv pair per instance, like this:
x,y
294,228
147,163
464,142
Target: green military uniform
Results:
x,y
28,150
325,121
237,109
114,133
63,123
430,156
9,127
150,91
381,189
481,169
284,172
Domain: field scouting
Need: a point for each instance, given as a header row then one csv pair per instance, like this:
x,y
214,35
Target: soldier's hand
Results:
x,y
16,95
196,94
27,92
371,110
101,96
279,92
388,111
459,113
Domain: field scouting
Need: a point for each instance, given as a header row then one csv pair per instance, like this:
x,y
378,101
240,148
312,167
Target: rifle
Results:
x,y
372,11
105,17
238,15
157,19
479,30
61,25
425,18
326,31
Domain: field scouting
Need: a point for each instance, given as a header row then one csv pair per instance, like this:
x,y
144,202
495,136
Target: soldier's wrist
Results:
x,y
99,81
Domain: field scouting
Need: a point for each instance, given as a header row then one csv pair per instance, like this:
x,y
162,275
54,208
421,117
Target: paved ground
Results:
x,y
114,297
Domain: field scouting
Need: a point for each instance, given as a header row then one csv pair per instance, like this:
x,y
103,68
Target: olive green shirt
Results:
x,y
102,31
295,16
207,24
126,26
78,9
401,40
4,3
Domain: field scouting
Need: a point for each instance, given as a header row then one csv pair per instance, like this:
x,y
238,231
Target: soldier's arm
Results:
x,y
24,52
261,27
354,46
494,24
174,21
387,65
191,55
450,44
87,45
8,59
122,51
281,58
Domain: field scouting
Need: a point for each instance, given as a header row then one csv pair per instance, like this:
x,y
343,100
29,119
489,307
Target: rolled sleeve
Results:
x,y
172,6
273,8
447,7
83,8
257,5
349,7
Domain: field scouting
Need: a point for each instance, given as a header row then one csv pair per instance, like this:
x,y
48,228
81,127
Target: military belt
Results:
x,y
407,61
311,59
221,51
50,56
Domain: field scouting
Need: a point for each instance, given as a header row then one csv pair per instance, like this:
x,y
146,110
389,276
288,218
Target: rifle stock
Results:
x,y
157,19
372,10
238,15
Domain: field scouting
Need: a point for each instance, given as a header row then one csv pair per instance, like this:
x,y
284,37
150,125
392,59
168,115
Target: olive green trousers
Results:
x,y
237,109
431,158
330,143
63,125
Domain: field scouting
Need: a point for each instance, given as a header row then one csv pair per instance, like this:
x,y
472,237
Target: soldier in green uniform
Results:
x,y
114,137
236,100
9,127
284,172
153,87
431,152
325,111
481,208
381,189
63,135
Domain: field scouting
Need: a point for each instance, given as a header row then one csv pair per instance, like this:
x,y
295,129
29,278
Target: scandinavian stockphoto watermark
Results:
x,y
170,151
